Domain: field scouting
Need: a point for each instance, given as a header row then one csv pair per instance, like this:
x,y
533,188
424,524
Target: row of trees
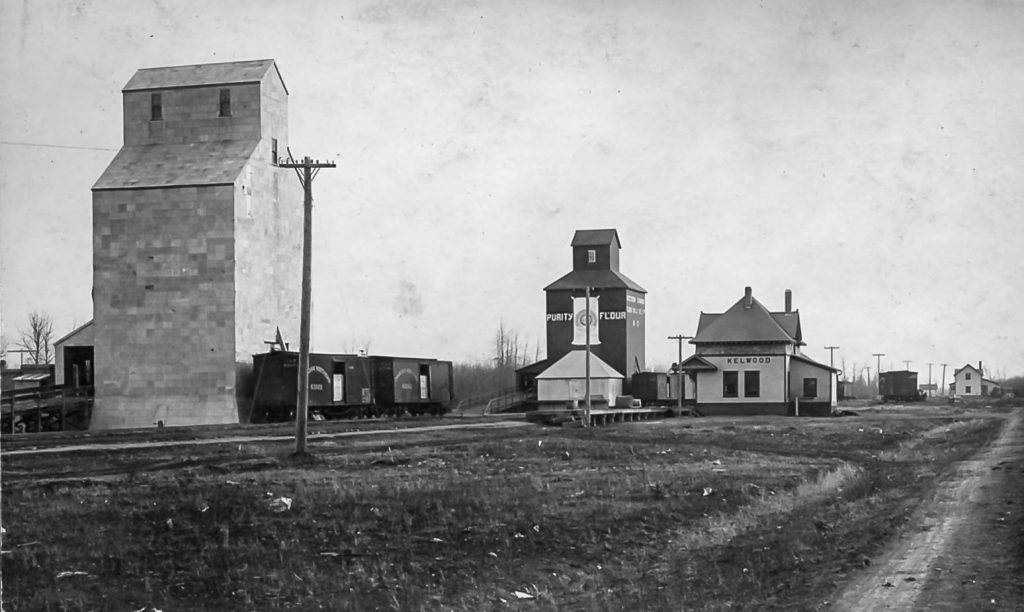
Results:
x,y
35,343
511,351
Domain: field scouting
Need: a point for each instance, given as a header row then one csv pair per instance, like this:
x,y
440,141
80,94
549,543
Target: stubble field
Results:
x,y
713,513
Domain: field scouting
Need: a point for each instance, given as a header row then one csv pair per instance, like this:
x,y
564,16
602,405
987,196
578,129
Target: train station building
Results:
x,y
196,245
748,360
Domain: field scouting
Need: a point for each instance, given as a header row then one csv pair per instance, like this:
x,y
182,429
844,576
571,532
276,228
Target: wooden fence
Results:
x,y
45,409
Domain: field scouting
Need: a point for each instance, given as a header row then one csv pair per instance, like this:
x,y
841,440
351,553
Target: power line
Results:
x,y
54,146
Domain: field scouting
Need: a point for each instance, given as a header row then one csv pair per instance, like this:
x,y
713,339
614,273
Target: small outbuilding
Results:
x,y
73,358
565,380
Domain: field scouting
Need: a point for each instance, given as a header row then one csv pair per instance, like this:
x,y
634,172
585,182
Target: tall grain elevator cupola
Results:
x,y
620,305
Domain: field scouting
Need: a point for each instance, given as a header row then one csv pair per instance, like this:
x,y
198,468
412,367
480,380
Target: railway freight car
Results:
x,y
350,386
899,386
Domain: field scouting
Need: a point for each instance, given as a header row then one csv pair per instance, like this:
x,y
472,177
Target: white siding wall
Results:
x,y
772,370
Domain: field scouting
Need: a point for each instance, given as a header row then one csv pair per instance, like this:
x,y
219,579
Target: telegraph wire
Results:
x,y
54,146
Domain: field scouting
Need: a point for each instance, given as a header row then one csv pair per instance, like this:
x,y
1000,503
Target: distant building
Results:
x,y
27,376
748,360
196,244
970,381
74,358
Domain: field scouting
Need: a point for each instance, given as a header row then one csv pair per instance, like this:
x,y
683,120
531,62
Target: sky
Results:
x,y
865,155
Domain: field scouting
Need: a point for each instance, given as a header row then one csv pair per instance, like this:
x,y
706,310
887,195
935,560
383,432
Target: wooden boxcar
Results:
x,y
656,388
899,386
350,386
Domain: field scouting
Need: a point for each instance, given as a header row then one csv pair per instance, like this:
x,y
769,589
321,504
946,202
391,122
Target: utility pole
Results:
x,y
831,351
586,416
832,371
307,169
679,368
930,379
944,378
878,372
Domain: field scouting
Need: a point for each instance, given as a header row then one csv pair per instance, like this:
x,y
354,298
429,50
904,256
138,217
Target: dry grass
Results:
x,y
691,514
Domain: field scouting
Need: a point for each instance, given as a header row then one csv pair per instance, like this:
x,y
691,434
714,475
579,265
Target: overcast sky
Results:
x,y
866,155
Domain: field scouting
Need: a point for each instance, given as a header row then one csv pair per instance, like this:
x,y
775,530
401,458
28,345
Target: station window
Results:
x,y
752,384
810,387
967,389
591,256
968,375
156,107
225,103
730,384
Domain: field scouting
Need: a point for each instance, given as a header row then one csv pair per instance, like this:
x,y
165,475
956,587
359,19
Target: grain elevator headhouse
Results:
x,y
196,241
618,303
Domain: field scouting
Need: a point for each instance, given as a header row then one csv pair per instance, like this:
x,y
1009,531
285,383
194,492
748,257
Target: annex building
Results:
x,y
748,360
196,245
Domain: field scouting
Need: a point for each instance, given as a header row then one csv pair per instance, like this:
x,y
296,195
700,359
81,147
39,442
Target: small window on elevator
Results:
x,y
156,107
273,150
591,256
225,103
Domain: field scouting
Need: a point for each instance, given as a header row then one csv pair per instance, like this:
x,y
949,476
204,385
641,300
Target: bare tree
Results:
x,y
509,350
38,337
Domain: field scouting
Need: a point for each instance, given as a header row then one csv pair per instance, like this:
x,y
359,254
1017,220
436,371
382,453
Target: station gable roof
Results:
x,y
812,362
696,363
753,324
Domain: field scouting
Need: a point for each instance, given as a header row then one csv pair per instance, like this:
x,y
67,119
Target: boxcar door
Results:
x,y
338,381
424,381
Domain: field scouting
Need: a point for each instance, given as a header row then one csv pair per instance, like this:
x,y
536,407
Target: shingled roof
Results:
x,y
177,165
748,321
574,365
202,75
595,279
599,237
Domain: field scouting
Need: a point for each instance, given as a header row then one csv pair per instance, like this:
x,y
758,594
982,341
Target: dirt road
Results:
x,y
964,551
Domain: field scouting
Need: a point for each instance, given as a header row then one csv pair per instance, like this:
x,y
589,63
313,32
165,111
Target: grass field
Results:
x,y
715,513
